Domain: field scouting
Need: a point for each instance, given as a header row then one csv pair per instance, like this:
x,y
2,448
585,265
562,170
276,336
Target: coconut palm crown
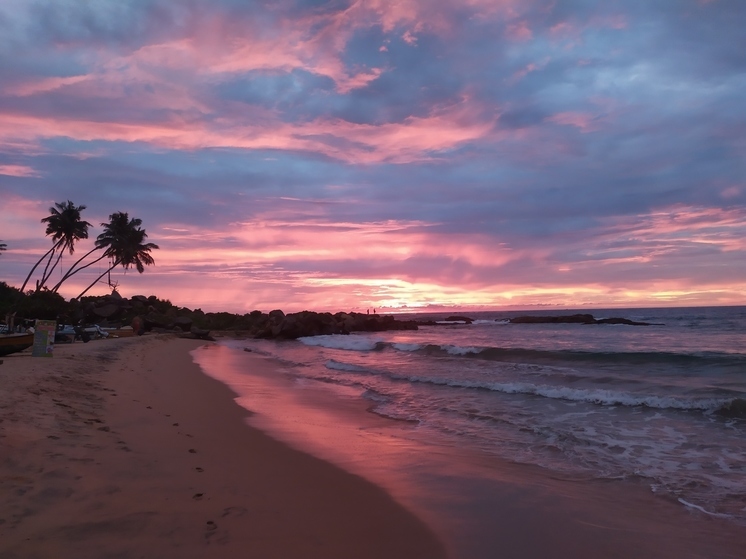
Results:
x,y
123,243
66,227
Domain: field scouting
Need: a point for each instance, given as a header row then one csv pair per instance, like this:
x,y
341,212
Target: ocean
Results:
x,y
655,404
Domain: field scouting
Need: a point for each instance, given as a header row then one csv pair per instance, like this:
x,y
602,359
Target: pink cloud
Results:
x,y
531,67
731,192
19,171
411,140
42,85
519,31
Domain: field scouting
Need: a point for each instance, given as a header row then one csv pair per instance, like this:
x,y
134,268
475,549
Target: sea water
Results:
x,y
657,404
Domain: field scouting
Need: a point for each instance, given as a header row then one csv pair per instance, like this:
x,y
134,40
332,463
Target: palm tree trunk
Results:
x,y
72,271
46,268
114,265
47,275
28,277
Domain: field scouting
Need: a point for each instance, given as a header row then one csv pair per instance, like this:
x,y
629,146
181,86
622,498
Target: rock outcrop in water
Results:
x,y
735,409
575,319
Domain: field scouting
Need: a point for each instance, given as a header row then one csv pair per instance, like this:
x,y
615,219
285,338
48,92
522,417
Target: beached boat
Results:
x,y
11,343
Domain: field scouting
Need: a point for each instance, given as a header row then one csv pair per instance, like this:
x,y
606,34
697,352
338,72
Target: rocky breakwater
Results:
x,y
576,319
278,325
143,313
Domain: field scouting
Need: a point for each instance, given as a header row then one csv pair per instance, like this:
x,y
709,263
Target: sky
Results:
x,y
399,155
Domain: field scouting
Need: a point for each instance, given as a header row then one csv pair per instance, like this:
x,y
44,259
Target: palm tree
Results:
x,y
123,240
115,233
66,228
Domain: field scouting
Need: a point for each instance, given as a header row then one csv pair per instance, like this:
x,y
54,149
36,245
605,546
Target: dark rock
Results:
x,y
201,334
183,322
562,319
106,311
734,409
153,320
621,321
574,319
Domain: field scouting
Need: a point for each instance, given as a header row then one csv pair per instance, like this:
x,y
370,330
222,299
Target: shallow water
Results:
x,y
606,401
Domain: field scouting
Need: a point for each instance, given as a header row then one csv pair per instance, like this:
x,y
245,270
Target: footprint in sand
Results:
x,y
213,535
234,512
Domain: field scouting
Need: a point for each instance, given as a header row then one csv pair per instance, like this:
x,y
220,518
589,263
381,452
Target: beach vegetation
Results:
x,y
66,227
41,304
9,298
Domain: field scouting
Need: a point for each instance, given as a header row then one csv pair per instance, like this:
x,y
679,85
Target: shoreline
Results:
x,y
125,448
481,505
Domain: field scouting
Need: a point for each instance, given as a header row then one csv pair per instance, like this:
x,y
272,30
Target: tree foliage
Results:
x,y
66,227
123,241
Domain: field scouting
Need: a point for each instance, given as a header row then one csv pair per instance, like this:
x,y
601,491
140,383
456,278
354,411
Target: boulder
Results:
x,y
201,334
106,311
183,322
153,320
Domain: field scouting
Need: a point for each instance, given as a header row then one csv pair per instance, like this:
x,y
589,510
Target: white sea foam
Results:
x,y
340,366
702,509
407,347
460,350
334,341
591,396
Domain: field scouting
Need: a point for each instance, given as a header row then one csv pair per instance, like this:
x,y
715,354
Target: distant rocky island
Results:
x,y
576,319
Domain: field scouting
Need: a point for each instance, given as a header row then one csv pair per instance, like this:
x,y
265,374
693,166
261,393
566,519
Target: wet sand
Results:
x,y
480,505
123,448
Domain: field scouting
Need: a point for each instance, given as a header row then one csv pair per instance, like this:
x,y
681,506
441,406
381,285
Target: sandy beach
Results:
x,y
123,448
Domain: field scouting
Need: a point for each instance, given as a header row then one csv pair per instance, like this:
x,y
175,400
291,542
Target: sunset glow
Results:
x,y
411,155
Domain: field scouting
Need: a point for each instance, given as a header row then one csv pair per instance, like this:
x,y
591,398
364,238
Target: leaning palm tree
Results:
x,y
66,228
124,242
115,234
